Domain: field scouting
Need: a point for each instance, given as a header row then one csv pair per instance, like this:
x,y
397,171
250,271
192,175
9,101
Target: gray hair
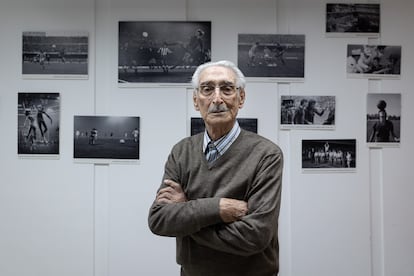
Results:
x,y
240,79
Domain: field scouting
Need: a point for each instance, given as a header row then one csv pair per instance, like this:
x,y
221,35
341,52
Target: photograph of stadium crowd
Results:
x,y
344,19
307,112
38,124
55,55
272,56
197,125
106,138
373,61
161,51
330,154
383,119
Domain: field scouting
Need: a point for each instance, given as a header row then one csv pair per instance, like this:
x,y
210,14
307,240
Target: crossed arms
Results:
x,y
225,224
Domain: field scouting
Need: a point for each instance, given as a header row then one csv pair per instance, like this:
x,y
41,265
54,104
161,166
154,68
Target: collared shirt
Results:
x,y
224,142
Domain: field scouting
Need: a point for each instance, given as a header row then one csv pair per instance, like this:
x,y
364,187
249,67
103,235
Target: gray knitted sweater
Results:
x,y
250,170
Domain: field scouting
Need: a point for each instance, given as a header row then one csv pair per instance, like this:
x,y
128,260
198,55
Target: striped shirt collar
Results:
x,y
224,142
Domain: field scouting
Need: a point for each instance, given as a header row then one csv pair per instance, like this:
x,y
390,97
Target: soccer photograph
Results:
x,y
383,119
329,155
307,112
38,123
55,55
373,61
250,124
272,56
102,139
343,19
161,51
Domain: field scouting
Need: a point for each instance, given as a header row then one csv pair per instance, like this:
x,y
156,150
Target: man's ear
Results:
x,y
197,108
242,96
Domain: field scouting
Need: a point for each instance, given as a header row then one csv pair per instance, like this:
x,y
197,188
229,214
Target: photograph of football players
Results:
x,y
38,123
353,19
101,138
272,55
148,53
57,55
378,61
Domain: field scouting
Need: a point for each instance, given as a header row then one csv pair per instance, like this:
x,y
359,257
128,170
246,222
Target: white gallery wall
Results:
x,y
58,217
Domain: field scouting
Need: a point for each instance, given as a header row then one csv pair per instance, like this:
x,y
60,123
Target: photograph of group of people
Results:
x,y
106,138
307,112
383,119
149,53
272,55
379,61
38,122
355,19
55,55
329,154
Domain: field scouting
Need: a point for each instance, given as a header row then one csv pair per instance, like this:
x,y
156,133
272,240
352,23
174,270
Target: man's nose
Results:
x,y
217,95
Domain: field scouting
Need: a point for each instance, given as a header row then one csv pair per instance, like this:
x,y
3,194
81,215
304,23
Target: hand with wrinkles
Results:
x,y
173,193
232,209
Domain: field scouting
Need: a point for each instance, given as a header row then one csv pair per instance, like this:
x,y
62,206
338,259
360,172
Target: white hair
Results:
x,y
240,79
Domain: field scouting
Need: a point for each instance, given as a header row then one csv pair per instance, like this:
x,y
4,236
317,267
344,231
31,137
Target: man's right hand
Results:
x,y
232,209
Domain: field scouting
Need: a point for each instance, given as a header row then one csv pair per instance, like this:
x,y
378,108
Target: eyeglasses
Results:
x,y
225,89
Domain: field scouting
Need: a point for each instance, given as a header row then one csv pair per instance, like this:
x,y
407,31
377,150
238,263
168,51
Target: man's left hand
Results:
x,y
173,193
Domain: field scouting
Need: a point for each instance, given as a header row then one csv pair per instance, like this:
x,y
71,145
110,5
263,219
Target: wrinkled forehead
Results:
x,y
217,74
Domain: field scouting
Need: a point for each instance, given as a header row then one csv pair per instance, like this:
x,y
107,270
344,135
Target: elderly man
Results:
x,y
221,189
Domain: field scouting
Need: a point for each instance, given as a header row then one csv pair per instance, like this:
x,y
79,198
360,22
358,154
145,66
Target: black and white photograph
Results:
x,y
383,119
55,55
38,124
344,19
329,155
270,56
161,51
104,139
373,61
307,112
197,125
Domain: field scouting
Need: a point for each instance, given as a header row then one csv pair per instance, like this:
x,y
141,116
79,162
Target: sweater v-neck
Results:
x,y
222,158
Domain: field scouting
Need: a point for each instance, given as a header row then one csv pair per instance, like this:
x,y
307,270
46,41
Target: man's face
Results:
x,y
382,116
218,109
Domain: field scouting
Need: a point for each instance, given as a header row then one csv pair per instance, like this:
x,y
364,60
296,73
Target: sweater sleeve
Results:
x,y
259,227
182,219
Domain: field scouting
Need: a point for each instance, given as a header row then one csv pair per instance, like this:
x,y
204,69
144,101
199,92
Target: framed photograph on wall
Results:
x,y
55,55
106,139
197,125
383,120
38,124
344,19
151,52
335,155
307,112
373,61
272,56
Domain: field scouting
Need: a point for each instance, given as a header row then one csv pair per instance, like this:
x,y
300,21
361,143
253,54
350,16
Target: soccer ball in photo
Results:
x,y
53,46
122,141
144,34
